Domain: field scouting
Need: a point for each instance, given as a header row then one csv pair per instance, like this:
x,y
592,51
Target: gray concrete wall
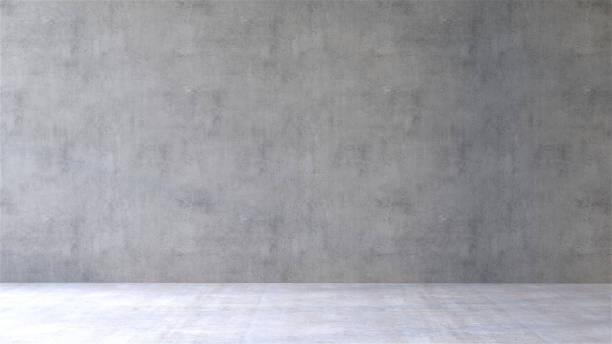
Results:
x,y
373,141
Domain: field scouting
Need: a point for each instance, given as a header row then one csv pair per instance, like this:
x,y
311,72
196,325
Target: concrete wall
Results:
x,y
416,141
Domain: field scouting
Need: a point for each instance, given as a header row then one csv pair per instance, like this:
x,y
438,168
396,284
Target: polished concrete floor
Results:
x,y
305,313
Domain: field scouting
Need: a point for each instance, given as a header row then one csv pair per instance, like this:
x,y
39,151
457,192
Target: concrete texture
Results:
x,y
368,141
305,313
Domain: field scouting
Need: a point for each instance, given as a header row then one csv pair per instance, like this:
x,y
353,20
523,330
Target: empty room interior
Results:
x,y
296,171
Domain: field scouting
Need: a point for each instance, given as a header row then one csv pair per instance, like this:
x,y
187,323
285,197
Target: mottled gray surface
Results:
x,y
305,313
306,141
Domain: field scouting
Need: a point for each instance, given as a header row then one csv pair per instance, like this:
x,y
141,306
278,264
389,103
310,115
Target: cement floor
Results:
x,y
305,313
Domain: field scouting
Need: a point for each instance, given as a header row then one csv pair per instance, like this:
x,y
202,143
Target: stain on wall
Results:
x,y
306,141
